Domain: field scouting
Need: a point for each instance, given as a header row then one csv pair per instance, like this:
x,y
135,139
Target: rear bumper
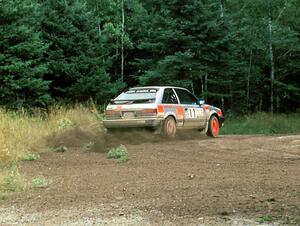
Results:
x,y
221,121
123,123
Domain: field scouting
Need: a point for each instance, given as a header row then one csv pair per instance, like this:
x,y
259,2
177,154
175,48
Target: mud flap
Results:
x,y
158,129
206,127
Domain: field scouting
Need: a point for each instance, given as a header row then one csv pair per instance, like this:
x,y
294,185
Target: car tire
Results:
x,y
169,127
213,127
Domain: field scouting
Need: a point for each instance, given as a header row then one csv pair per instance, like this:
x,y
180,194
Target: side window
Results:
x,y
169,97
186,97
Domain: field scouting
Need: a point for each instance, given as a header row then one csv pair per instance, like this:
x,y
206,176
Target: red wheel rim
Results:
x,y
215,127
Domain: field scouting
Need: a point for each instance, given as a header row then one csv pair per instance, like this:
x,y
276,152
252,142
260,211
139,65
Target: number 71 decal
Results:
x,y
194,112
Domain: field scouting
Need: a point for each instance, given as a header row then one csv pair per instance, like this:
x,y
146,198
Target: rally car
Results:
x,y
164,108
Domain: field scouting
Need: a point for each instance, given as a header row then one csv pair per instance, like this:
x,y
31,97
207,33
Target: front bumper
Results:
x,y
123,123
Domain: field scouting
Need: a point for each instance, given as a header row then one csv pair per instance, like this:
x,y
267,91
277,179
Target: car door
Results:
x,y
171,106
194,115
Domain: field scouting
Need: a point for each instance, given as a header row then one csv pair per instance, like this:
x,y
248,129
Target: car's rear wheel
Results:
x,y
213,127
169,127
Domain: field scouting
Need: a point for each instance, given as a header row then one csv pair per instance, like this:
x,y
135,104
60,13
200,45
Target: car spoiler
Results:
x,y
147,100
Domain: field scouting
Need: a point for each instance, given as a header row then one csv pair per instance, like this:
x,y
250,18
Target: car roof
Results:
x,y
156,87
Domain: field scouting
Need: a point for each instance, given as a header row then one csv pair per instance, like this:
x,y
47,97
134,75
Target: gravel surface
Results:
x,y
231,180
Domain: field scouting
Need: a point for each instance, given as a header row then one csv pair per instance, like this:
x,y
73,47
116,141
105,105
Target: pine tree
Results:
x,y
185,43
22,67
76,56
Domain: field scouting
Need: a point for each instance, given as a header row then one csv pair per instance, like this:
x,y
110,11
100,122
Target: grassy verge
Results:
x,y
11,181
22,137
263,123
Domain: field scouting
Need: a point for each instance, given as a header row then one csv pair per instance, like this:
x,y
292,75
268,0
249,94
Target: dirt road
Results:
x,y
231,180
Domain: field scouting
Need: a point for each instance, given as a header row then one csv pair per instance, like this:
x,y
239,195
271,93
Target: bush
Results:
x,y
11,181
40,182
120,153
265,219
31,157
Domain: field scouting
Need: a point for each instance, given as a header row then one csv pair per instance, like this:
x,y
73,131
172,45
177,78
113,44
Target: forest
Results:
x,y
243,56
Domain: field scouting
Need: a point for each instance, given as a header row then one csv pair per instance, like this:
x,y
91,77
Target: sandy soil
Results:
x,y
231,180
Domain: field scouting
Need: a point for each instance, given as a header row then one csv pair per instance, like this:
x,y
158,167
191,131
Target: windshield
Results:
x,y
138,94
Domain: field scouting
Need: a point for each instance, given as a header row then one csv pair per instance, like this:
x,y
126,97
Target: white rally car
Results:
x,y
165,108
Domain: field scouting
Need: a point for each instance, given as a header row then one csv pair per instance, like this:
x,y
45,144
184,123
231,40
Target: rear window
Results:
x,y
138,94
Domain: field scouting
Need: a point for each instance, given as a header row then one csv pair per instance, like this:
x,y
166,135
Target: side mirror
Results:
x,y
201,101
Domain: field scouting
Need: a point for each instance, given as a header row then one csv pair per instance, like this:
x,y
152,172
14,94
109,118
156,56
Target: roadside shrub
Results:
x,y
60,149
31,157
120,154
265,219
40,182
11,181
65,123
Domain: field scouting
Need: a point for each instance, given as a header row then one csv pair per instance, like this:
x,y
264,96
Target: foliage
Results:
x,y
40,182
120,153
31,157
22,50
263,123
71,51
77,67
65,123
11,181
265,219
60,149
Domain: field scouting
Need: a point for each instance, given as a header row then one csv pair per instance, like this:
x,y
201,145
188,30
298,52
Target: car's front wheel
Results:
x,y
169,127
213,127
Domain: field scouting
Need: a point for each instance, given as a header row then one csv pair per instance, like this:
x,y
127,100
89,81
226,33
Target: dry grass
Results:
x,y
11,181
22,134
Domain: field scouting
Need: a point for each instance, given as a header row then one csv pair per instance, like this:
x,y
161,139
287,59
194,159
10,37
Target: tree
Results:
x,y
22,50
185,42
271,35
77,59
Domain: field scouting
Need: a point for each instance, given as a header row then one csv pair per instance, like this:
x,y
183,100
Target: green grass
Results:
x,y
60,149
3,197
265,219
40,182
263,123
31,157
120,154
88,146
11,181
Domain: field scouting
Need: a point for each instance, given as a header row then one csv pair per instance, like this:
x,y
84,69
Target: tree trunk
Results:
x,y
222,104
98,12
205,86
260,104
277,103
202,86
222,8
192,87
117,58
122,42
248,81
272,70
